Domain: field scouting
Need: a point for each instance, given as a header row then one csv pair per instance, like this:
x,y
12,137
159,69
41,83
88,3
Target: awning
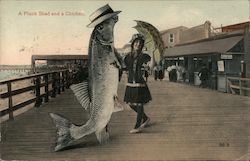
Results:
x,y
202,48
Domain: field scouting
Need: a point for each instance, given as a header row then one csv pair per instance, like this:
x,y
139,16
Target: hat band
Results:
x,y
104,13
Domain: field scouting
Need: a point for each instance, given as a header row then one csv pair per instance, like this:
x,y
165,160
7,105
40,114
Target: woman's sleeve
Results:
x,y
126,62
118,56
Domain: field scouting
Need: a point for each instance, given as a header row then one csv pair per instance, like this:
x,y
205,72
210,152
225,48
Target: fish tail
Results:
x,y
64,137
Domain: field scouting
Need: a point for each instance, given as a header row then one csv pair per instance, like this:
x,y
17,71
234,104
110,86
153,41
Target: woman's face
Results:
x,y
138,44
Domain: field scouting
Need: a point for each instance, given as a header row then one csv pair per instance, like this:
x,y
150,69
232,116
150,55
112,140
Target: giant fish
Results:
x,y
99,93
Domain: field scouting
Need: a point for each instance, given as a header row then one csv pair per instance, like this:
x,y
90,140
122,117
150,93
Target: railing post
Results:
x,y
67,79
227,85
46,88
240,85
38,94
63,80
11,117
58,82
53,85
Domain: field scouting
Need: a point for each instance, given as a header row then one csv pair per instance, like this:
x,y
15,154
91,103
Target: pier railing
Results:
x,y
52,83
237,85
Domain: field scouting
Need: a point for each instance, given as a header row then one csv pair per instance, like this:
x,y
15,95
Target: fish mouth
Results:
x,y
109,40
106,42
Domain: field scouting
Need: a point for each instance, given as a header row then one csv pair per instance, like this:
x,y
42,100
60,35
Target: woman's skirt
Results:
x,y
139,95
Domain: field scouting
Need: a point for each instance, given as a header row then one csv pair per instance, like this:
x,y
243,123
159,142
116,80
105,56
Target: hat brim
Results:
x,y
103,18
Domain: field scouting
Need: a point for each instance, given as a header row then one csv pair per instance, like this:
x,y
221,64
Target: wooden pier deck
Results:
x,y
188,123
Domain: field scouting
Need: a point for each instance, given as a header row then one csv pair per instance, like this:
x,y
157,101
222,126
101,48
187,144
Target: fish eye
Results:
x,y
100,27
115,18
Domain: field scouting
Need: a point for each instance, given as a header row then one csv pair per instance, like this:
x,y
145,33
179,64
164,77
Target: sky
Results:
x,y
26,29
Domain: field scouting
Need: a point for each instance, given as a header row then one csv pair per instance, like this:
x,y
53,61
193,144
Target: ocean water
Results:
x,y
8,74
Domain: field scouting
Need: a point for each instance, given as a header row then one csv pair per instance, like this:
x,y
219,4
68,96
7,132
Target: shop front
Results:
x,y
222,56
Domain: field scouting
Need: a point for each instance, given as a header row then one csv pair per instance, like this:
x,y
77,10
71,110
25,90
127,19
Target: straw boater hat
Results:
x,y
101,15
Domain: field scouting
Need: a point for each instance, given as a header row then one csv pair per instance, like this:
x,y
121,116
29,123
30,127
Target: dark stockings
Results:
x,y
139,109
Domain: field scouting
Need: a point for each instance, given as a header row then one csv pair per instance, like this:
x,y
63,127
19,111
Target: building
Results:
x,y
171,37
224,54
182,34
235,27
195,33
41,63
246,27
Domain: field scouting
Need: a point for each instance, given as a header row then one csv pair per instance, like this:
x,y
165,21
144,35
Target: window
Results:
x,y
171,38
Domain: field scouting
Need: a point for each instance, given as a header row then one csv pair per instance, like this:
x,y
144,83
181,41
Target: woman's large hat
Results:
x,y
101,15
137,36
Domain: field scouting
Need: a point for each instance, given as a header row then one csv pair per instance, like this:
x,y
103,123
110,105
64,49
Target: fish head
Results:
x,y
105,30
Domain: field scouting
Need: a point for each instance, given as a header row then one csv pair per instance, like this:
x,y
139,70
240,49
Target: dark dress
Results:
x,y
204,76
160,74
204,72
136,90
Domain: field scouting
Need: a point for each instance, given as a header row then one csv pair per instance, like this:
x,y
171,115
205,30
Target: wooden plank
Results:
x,y
16,92
238,78
238,87
230,84
245,88
185,125
59,57
38,85
28,77
20,105
234,86
23,104
4,112
16,107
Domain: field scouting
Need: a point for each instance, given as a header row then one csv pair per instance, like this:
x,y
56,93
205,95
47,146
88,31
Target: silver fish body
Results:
x,y
98,94
104,85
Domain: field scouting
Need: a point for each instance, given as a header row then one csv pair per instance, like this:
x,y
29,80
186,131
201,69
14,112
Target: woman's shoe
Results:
x,y
145,123
133,131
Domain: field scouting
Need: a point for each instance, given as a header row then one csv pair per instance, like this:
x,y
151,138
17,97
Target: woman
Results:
x,y
137,92
204,76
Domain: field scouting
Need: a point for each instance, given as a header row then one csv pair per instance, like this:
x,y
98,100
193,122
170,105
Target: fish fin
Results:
x,y
81,91
64,137
118,105
102,136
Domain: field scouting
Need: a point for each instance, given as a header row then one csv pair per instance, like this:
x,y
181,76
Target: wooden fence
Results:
x,y
58,79
236,85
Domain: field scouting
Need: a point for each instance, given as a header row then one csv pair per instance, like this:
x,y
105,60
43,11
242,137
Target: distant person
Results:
x,y
172,73
161,69
160,73
156,73
181,73
146,73
184,76
75,74
83,73
204,76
